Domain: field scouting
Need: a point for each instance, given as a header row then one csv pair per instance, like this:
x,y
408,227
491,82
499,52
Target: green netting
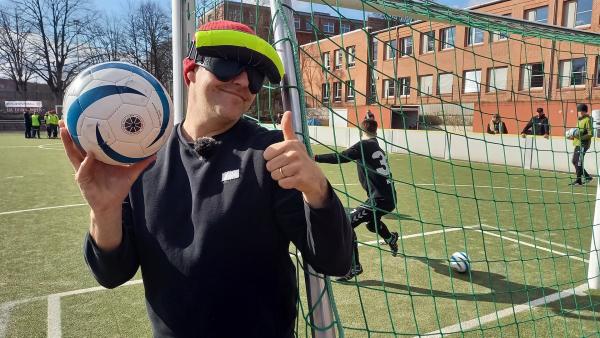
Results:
x,y
503,199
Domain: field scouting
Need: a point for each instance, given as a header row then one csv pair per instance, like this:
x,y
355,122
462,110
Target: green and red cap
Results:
x,y
234,41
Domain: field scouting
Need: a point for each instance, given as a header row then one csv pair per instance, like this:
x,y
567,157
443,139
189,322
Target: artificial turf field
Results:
x,y
527,233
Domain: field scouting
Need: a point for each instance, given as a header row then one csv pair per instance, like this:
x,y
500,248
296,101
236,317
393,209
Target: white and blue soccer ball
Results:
x,y
571,133
460,262
119,112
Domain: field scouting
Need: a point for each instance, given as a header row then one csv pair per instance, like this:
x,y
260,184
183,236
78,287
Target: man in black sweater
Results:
x,y
374,177
210,218
538,125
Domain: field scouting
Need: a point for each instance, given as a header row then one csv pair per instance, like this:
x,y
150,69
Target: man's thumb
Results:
x,y
287,126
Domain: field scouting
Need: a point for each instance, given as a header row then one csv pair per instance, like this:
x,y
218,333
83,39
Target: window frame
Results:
x,y
425,47
351,56
471,35
403,47
421,92
531,76
328,24
350,88
337,59
575,15
439,81
477,81
388,84
391,47
325,55
572,76
402,86
343,25
337,89
535,10
445,45
297,23
495,89
325,92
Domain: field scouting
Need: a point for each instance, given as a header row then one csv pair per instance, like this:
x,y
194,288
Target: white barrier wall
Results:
x,y
530,153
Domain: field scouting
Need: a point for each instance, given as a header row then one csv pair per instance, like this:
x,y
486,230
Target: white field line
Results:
x,y
485,186
44,208
477,322
537,239
496,316
54,317
54,313
10,177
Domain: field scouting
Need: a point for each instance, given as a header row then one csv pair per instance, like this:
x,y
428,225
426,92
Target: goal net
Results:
x,y
472,108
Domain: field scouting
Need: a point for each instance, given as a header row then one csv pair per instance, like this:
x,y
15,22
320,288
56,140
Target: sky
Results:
x,y
119,5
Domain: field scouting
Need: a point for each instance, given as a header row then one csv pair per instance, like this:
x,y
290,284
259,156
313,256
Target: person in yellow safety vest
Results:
x,y
35,124
52,124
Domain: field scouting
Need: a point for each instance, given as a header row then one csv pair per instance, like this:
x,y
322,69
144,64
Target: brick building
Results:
x,y
431,68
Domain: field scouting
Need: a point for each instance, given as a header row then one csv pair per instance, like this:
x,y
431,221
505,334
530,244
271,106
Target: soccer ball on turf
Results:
x,y
118,111
460,262
571,133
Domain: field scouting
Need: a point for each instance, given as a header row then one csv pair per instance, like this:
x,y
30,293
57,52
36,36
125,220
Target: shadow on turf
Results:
x,y
503,291
392,215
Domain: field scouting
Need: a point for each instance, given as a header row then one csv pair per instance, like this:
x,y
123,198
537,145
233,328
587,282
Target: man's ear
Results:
x,y
189,67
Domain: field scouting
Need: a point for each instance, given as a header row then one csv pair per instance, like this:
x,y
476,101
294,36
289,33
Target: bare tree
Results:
x,y
108,44
14,50
148,35
59,32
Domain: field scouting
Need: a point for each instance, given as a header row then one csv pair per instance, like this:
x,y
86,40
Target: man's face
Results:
x,y
540,113
227,100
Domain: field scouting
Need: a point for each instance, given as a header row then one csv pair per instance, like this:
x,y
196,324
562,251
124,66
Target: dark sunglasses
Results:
x,y
226,70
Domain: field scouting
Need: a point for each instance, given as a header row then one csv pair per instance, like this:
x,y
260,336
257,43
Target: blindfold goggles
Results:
x,y
226,70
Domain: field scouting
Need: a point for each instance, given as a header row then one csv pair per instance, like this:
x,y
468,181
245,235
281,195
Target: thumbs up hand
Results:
x,y
292,168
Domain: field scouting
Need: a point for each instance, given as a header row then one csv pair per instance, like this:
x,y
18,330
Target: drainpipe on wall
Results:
x,y
552,54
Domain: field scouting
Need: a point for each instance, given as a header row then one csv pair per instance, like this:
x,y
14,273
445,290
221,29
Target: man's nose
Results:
x,y
241,79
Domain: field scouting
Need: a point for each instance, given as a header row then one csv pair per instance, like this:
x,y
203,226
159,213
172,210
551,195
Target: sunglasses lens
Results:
x,y
224,70
255,79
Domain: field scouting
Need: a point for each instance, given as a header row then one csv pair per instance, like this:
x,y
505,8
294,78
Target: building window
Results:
x,y
497,79
472,79
389,88
427,42
328,27
406,45
474,36
350,90
345,28
374,45
325,92
532,76
309,25
234,14
577,13
390,49
297,23
539,14
598,71
447,37
338,58
445,83
351,56
572,72
337,91
325,58
425,85
404,86
373,91
500,36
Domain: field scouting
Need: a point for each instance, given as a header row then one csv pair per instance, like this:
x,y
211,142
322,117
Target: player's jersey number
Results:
x,y
384,170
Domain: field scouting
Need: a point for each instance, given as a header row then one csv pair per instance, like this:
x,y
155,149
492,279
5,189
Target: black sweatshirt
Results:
x,y
212,239
376,171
